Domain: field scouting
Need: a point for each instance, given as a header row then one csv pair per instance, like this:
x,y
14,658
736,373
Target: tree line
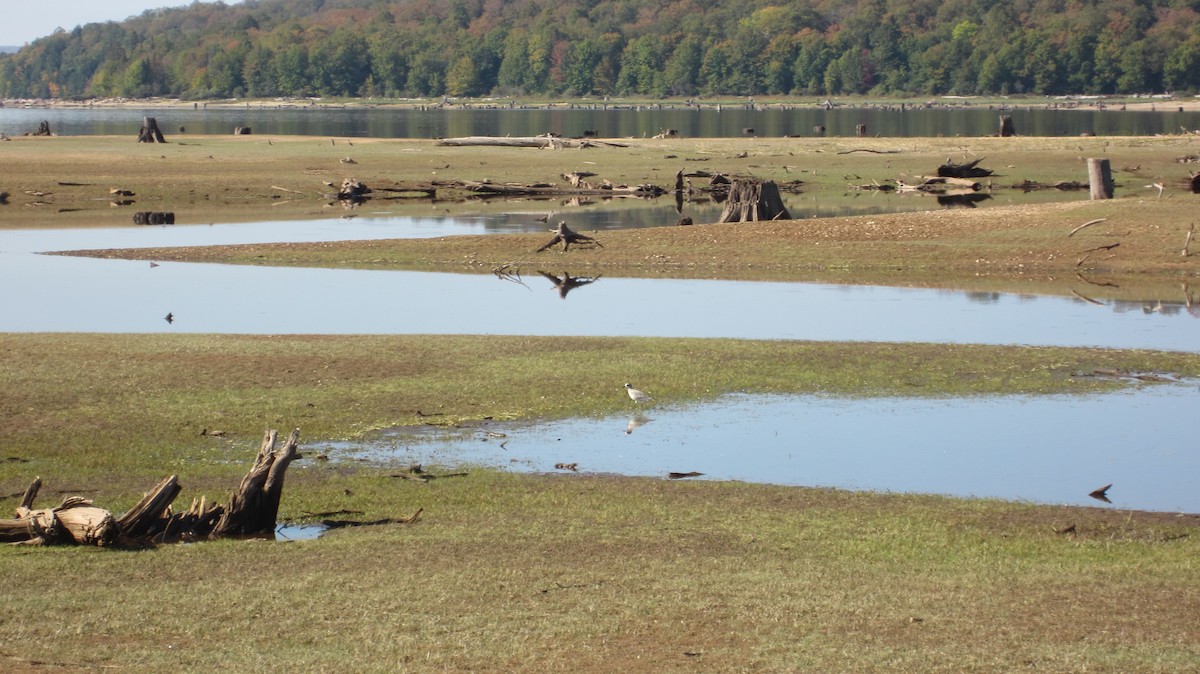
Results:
x,y
653,48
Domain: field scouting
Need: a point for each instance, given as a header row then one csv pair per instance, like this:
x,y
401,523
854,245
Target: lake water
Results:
x,y
1045,449
68,294
617,123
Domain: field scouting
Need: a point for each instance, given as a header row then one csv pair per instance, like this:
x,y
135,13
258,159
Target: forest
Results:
x,y
642,48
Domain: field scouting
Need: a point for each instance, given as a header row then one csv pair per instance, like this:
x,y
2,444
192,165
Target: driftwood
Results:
x,y
150,133
492,141
1089,223
1062,185
751,200
252,510
566,236
492,189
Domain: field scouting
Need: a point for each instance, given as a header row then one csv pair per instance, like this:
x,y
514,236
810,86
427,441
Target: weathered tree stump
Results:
x,y
1006,126
43,129
751,200
1100,179
255,505
860,130
252,510
819,130
150,133
154,218
242,131
567,236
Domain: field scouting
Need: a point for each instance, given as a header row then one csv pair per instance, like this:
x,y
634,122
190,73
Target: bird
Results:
x,y
170,317
636,395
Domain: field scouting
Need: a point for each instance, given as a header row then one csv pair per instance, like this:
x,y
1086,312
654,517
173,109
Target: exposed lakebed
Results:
x,y
1041,448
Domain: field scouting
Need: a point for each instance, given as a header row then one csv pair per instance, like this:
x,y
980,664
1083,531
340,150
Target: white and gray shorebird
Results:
x,y
636,395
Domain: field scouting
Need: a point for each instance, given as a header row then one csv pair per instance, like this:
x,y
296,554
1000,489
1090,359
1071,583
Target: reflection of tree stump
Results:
x,y
150,133
754,200
154,218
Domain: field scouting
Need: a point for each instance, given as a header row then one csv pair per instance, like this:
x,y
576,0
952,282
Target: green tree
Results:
x,y
137,81
1181,70
291,71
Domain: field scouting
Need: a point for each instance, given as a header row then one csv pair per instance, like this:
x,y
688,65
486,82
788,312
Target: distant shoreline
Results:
x,y
1089,103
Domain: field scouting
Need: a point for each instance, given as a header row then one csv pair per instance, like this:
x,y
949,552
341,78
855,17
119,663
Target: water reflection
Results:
x,y
64,294
638,122
1047,449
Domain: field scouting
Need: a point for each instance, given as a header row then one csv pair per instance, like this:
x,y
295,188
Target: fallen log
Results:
x,y
493,141
968,170
487,188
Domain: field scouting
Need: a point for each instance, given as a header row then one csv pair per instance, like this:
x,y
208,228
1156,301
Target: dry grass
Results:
x,y
595,574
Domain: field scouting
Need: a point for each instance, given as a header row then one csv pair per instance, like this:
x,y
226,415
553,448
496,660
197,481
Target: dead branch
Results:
x,y
1089,223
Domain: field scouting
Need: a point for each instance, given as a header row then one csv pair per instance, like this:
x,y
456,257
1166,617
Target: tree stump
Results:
x,y
150,133
1006,126
241,131
860,130
751,200
1100,179
254,507
567,236
43,129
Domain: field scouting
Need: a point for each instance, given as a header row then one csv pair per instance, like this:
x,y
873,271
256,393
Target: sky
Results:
x,y
21,26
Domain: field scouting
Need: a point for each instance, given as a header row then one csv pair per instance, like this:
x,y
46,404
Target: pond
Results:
x,y
1044,449
625,122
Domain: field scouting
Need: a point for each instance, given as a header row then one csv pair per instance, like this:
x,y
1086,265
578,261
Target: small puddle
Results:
x,y
289,531
1044,449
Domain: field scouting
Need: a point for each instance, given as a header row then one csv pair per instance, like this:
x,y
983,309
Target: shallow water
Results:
x,y
1044,449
